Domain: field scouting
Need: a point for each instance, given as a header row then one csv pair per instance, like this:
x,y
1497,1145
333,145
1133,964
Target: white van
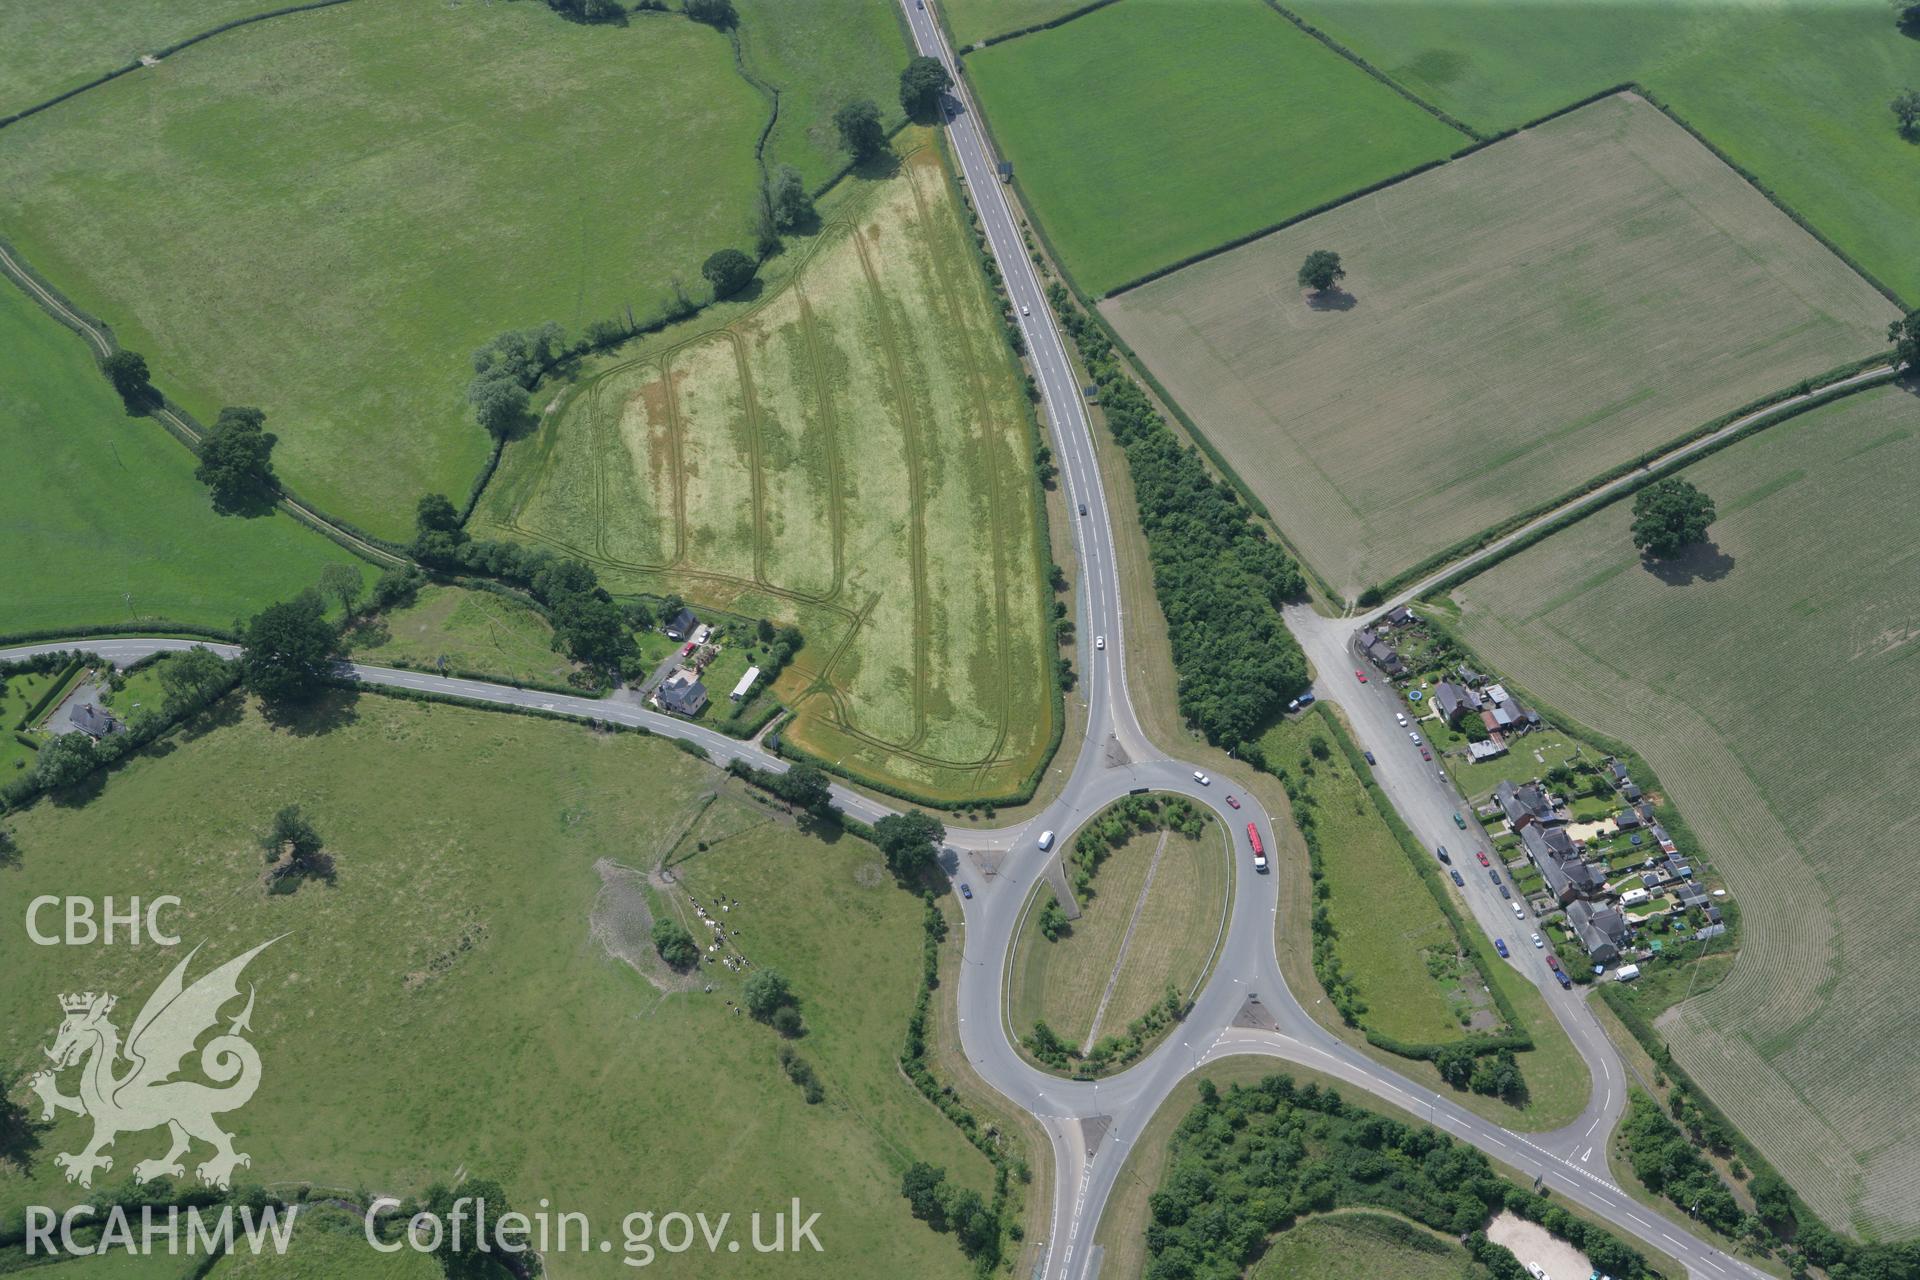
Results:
x,y
1626,973
1046,840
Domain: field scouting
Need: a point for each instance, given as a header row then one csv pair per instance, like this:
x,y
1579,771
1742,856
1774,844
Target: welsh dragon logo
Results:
x,y
144,1093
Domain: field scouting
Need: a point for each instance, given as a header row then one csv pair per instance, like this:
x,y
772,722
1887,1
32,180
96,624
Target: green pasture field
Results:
x,y
1385,918
472,630
850,452
1177,923
1796,93
324,214
328,1244
444,1005
821,55
48,49
1155,129
1363,1246
973,20
1353,834
101,520
1513,323
1768,681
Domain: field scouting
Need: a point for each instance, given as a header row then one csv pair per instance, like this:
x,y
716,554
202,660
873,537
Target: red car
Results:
x,y
1425,754
1553,961
1360,675
1483,858
1234,803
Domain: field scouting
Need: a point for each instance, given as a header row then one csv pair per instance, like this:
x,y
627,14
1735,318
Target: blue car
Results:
x,y
1500,945
966,891
1458,880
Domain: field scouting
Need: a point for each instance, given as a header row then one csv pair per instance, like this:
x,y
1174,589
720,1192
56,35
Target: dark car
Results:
x,y
1459,822
1457,880
1369,756
966,891
1425,754
1083,508
1494,876
1500,945
1566,983
1504,893
1441,853
1232,802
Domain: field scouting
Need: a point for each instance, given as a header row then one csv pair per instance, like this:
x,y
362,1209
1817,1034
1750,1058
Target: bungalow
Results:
x,y
1523,805
95,722
1469,676
1491,749
1665,841
681,625
1603,931
1399,617
1454,700
1627,820
683,694
1619,772
1632,793
1368,637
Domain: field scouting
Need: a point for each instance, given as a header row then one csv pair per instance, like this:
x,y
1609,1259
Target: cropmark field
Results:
x,y
1796,93
477,989
1151,130
851,454
323,214
1511,324
1769,680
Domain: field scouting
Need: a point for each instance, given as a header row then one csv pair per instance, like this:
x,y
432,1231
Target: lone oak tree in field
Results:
x,y
860,131
921,85
1906,110
1321,270
236,459
1668,516
728,271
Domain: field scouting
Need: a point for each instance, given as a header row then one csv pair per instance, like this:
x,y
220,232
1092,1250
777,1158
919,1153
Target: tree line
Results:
x,y
1220,580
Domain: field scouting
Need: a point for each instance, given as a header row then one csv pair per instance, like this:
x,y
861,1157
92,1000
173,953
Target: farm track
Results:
x,y
179,427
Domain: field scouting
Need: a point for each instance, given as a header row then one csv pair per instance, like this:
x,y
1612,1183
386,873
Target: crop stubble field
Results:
x,y
1173,937
851,453
1770,682
444,1004
323,214
1513,323
1795,92
1185,126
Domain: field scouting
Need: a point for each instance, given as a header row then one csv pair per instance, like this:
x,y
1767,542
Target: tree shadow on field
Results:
x,y
882,164
322,714
1704,562
1909,22
1335,299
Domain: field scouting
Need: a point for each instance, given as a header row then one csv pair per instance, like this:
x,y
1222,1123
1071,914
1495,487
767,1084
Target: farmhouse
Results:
x,y
1381,655
681,624
683,694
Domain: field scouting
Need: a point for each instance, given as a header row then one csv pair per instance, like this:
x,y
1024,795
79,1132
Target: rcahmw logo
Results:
x,y
130,1087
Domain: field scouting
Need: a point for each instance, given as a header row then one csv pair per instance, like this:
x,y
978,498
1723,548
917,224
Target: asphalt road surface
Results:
x,y
1092,1126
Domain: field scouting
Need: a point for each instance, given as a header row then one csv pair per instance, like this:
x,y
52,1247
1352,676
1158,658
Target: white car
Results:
x,y
1046,841
1024,311
1401,716
1519,912
1537,941
1202,778
1416,737
1099,642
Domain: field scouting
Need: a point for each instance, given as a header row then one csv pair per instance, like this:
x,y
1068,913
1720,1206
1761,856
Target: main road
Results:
x,y
1245,1007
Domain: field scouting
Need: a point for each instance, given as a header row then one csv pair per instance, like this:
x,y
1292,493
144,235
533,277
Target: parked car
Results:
x,y
1553,962
1100,642
1505,893
1401,716
1482,855
1202,778
1369,756
1494,876
1538,941
1360,675
1500,945
966,891
1441,853
1566,983
1425,754
1232,803
1519,912
1416,737
1459,822
1457,880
